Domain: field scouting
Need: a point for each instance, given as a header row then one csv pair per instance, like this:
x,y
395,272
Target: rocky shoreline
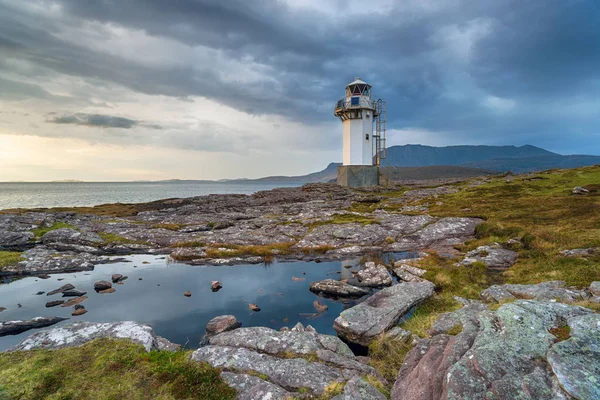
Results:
x,y
312,222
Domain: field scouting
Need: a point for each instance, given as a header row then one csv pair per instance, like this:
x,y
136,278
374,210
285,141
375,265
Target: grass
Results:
x,y
386,356
9,258
339,219
108,369
39,232
561,332
111,238
108,210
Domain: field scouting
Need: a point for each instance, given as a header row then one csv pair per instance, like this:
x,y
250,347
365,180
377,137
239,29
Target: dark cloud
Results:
x,y
95,120
436,64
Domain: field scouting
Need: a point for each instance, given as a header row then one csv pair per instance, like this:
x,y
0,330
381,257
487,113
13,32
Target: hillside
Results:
x,y
535,163
414,155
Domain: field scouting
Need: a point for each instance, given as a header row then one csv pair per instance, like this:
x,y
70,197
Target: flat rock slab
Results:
x,y
14,240
365,321
358,388
374,275
79,333
222,323
333,288
494,257
252,387
289,374
16,327
61,289
502,353
551,290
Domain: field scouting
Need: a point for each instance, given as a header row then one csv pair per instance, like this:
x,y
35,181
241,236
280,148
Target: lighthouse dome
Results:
x,y
358,88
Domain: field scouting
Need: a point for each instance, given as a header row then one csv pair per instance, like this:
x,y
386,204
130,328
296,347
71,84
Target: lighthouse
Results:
x,y
363,148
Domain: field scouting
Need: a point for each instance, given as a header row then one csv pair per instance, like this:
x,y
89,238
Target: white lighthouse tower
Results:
x,y
362,149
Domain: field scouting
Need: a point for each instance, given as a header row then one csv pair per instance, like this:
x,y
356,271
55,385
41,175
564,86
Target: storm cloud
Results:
x,y
95,120
462,71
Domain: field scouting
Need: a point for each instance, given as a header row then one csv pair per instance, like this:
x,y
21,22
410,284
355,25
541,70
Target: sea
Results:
x,y
83,194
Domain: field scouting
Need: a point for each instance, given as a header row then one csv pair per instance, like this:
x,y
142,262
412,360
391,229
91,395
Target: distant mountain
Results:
x,y
326,175
416,155
535,163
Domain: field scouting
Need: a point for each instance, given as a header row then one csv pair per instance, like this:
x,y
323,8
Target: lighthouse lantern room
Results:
x,y
362,149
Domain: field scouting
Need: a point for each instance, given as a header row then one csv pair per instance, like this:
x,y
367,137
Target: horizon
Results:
x,y
114,92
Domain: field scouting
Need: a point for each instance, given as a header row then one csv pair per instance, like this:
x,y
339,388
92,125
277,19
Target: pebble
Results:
x,y
188,294
253,307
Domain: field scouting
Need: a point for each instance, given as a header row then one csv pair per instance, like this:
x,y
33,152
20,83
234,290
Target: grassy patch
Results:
x,y
39,232
9,258
544,214
226,251
386,356
321,249
339,219
108,369
111,238
192,243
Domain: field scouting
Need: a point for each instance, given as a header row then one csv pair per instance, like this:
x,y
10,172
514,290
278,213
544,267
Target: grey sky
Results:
x,y
238,88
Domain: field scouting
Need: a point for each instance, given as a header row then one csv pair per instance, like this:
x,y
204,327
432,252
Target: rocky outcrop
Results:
x,y
444,233
358,388
282,356
515,350
374,275
79,333
493,256
16,241
551,290
333,288
67,239
42,260
578,190
16,327
365,321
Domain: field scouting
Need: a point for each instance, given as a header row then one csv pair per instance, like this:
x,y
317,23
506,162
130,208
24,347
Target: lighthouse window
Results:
x,y
367,136
354,101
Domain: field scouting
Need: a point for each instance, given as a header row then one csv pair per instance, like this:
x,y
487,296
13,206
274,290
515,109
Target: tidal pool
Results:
x,y
279,289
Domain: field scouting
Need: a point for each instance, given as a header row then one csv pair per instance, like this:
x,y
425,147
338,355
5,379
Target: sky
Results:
x,y
117,90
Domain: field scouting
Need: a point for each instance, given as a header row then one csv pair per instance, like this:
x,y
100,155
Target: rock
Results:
x,y
61,289
506,352
374,275
576,361
409,268
42,259
73,293
380,312
320,307
79,333
444,233
493,256
16,327
78,307
331,287
188,294
44,276
74,301
215,286
551,290
117,278
358,388
578,190
15,241
399,334
296,341
222,323
406,276
252,387
107,291
62,238
79,311
595,288
2,309
102,285
580,252
253,307
54,303
290,374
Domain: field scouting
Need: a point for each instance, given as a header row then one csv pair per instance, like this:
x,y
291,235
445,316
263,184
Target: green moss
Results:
x,y
111,238
108,369
39,232
9,258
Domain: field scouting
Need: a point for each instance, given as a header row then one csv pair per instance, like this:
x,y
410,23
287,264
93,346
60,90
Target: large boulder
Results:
x,y
499,354
79,333
15,240
493,256
551,290
222,323
16,327
281,357
333,288
374,275
380,312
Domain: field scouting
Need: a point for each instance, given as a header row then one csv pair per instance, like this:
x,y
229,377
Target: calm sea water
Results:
x,y
158,298
31,195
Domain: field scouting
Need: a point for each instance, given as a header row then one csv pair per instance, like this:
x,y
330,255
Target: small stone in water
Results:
x,y
109,290
320,307
188,294
253,307
44,276
40,293
102,285
215,286
298,279
81,311
139,279
54,303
